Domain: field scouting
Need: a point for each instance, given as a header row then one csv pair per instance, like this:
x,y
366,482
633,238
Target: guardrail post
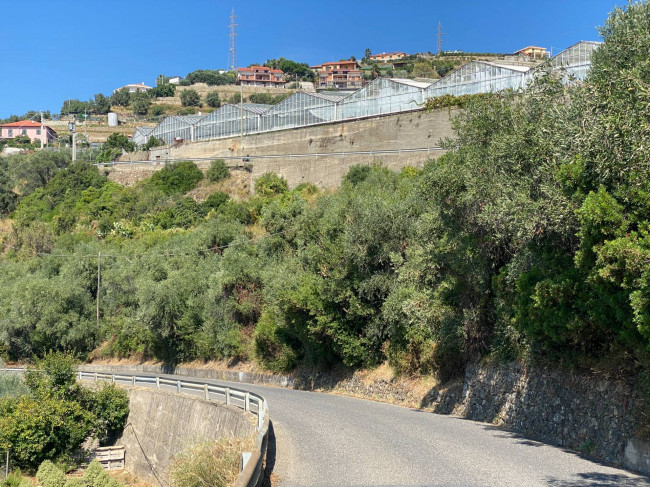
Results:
x,y
113,378
227,396
157,382
178,386
133,379
95,376
247,402
206,393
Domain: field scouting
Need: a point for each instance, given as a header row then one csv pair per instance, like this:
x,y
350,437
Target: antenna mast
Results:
x,y
439,37
232,52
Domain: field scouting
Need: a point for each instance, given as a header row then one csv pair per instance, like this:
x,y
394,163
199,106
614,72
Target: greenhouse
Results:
x,y
301,109
576,60
381,96
141,135
228,120
176,127
479,77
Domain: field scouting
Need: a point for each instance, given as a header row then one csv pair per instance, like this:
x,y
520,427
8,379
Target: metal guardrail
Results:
x,y
248,401
252,472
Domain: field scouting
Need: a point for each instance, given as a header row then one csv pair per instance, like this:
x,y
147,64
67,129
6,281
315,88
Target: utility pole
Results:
x,y
42,130
241,117
232,52
439,37
73,129
99,282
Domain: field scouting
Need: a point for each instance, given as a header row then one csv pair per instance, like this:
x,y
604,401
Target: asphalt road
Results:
x,y
328,440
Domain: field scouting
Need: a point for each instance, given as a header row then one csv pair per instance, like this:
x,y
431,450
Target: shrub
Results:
x,y
16,479
177,177
212,99
49,475
215,201
11,384
357,174
270,184
110,407
157,110
218,171
43,428
190,98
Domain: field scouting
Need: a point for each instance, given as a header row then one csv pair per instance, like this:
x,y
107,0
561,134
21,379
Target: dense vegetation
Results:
x,y
528,240
53,416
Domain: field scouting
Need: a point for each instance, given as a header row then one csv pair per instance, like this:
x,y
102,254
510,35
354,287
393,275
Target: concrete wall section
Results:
x,y
320,155
161,425
404,131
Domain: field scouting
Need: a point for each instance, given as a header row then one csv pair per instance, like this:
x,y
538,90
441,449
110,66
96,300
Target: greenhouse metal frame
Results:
x,y
381,96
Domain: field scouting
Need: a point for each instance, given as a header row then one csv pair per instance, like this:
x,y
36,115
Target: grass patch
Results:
x,y
210,464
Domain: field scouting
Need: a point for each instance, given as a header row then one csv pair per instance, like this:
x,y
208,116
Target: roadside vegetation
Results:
x,y
529,240
215,464
49,416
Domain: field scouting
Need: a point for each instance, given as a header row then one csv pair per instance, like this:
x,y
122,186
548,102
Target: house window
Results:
x,y
11,133
24,131
38,131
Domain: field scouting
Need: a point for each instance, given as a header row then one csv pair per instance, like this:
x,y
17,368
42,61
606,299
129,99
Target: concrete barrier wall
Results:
x,y
161,425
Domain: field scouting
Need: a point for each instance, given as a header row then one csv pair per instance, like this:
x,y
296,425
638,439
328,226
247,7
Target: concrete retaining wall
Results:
x,y
161,425
413,130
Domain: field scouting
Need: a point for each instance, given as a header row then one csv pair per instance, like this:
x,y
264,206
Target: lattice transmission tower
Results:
x,y
232,52
439,37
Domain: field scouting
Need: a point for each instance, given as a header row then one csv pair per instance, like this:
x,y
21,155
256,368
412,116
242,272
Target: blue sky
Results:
x,y
54,50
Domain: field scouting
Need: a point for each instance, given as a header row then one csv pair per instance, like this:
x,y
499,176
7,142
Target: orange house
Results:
x,y
388,56
340,74
260,76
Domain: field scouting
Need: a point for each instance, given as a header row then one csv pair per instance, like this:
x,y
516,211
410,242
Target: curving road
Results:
x,y
328,440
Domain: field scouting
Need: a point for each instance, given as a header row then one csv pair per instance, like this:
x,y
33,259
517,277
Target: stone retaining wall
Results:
x,y
594,416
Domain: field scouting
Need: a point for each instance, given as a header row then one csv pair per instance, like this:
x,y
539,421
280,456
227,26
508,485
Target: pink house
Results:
x,y
29,128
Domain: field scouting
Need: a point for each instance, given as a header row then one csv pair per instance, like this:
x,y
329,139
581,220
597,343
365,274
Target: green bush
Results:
x,y
212,99
190,98
177,177
270,184
215,201
16,479
49,475
218,171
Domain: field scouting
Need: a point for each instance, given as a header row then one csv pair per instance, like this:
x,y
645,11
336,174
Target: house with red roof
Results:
x,y
29,128
339,74
260,76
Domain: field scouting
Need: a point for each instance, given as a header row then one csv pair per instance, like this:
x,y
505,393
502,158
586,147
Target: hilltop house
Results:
x,y
135,88
533,52
388,56
340,74
260,76
29,128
